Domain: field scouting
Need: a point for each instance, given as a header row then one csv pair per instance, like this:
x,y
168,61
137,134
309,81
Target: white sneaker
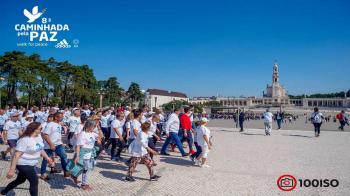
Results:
x,y
196,162
205,166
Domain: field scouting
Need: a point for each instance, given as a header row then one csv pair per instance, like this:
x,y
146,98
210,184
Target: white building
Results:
x,y
155,98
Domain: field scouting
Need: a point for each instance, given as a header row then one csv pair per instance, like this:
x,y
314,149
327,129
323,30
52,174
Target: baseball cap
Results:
x,y
30,116
204,120
14,114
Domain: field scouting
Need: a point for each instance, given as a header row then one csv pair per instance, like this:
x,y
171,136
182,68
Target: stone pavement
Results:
x,y
247,163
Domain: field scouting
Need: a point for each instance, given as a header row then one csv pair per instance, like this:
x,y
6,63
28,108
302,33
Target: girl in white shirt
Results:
x,y
86,141
140,152
29,148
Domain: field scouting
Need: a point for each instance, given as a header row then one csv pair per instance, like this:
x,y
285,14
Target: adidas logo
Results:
x,y
62,44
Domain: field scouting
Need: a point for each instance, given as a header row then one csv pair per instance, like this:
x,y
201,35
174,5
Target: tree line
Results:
x,y
30,80
341,94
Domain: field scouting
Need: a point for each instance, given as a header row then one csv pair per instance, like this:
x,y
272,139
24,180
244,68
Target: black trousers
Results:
x,y
116,143
70,136
317,127
25,172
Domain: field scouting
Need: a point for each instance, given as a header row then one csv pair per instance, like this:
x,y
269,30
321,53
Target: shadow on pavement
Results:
x,y
176,161
118,176
57,181
254,134
112,165
305,136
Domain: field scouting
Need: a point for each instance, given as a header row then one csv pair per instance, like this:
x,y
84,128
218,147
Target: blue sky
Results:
x,y
200,47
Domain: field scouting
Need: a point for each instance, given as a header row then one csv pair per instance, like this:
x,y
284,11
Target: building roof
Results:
x,y
166,93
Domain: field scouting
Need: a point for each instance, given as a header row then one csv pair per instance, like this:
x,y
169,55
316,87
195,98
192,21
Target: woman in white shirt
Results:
x,y
29,148
140,152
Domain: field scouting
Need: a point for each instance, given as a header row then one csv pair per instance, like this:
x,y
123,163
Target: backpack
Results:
x,y
317,118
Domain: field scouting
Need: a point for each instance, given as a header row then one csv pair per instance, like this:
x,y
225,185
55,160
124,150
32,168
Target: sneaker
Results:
x,y
192,152
66,174
129,179
154,178
185,155
3,155
164,153
205,166
196,162
173,148
45,177
103,152
54,170
86,187
192,159
75,180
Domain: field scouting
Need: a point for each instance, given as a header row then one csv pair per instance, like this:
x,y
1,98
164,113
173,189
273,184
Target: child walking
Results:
x,y
140,152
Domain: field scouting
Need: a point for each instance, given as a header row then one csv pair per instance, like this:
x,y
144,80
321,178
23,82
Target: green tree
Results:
x,y
134,92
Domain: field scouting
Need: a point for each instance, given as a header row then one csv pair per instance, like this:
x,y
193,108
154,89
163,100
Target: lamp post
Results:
x,y
1,79
101,98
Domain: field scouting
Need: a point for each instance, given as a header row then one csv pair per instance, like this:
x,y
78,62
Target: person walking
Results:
x,y
117,139
185,132
268,117
12,131
279,119
316,119
172,129
241,119
85,153
139,151
29,148
342,120
53,143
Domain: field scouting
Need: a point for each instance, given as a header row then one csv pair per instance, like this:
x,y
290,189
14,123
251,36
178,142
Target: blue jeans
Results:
x,y
279,122
59,152
189,138
173,136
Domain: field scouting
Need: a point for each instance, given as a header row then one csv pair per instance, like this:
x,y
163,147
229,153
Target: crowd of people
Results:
x,y
89,133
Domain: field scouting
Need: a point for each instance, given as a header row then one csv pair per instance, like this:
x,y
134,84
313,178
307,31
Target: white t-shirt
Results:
x,y
116,124
3,119
54,130
153,129
268,117
202,131
31,148
104,121
87,140
40,116
87,112
73,123
135,124
13,129
25,124
139,145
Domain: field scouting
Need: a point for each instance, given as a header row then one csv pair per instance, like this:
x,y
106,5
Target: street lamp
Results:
x,y
1,79
101,98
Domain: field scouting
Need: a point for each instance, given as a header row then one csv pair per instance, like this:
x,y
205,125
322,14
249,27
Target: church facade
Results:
x,y
276,95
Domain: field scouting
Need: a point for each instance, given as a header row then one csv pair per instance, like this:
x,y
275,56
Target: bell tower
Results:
x,y
275,76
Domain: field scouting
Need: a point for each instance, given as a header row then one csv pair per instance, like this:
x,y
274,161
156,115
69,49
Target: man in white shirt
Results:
x,y
3,119
116,138
268,121
52,135
12,131
172,128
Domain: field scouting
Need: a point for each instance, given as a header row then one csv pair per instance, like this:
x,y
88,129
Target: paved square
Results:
x,y
246,163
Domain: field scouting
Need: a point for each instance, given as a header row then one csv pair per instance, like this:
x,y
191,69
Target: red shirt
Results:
x,y
185,122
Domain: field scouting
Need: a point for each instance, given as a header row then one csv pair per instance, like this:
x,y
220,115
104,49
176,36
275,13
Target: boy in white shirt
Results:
x,y
268,121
